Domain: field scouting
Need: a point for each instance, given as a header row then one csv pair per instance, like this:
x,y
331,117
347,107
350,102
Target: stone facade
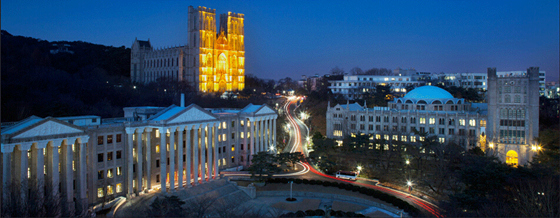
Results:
x,y
213,60
513,111
134,154
426,109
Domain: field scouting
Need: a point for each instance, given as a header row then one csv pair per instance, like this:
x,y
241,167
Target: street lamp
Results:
x,y
407,162
409,184
359,168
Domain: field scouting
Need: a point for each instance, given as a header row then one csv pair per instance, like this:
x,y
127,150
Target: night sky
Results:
x,y
294,38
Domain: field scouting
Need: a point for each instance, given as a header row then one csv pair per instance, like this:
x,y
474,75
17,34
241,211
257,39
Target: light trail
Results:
x,y
431,208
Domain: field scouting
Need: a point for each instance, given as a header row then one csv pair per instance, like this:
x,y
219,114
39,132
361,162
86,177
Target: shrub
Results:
x,y
319,212
310,213
300,213
305,181
298,181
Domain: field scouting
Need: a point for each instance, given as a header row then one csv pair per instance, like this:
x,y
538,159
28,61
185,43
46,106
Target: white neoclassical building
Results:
x,y
151,148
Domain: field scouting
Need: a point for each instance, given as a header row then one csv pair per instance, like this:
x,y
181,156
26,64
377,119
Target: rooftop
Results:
x,y
428,92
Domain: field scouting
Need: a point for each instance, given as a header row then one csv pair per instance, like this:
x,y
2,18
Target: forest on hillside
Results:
x,y
90,80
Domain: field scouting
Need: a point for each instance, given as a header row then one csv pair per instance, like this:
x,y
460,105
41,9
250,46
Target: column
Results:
x,y
245,139
180,157
149,159
203,143
267,135
67,178
82,171
6,172
139,167
52,167
130,161
210,149
196,143
163,159
252,140
189,157
262,146
19,170
37,168
216,147
274,133
172,158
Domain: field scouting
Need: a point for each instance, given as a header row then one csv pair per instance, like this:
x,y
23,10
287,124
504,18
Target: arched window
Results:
x,y
421,102
436,102
511,158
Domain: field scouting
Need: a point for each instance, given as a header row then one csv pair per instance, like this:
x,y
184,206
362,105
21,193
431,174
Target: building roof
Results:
x,y
22,124
428,92
144,43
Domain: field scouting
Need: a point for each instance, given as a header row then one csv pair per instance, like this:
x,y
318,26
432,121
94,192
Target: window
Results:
x,y
482,123
362,118
370,127
472,122
109,139
352,126
441,140
232,124
119,138
109,156
119,171
413,138
422,129
157,148
100,174
157,133
157,178
432,130
403,128
99,140
441,131
422,120
472,132
119,187
462,122
403,138
395,137
432,120
100,157
403,119
232,135
370,118
441,121
413,120
352,117
110,173
362,127
119,155
157,163
99,192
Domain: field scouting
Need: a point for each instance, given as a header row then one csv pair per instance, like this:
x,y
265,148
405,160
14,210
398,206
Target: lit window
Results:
x,y
413,138
421,138
224,125
432,120
395,137
99,192
109,190
441,140
110,173
472,122
377,136
74,165
403,138
422,120
482,123
462,122
157,133
157,148
119,171
119,187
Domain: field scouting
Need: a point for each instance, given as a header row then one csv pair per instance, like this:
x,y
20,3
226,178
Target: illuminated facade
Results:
x,y
214,60
513,115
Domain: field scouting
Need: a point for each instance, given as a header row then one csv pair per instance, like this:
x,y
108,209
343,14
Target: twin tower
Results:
x,y
212,61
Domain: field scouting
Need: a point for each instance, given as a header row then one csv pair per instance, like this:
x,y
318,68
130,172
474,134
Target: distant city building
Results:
x,y
426,109
552,90
90,161
213,61
404,72
513,114
505,126
355,86
476,81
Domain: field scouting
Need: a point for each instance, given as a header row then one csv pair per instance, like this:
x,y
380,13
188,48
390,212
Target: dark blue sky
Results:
x,y
293,38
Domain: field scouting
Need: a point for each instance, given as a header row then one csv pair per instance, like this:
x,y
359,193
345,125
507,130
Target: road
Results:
x,y
299,134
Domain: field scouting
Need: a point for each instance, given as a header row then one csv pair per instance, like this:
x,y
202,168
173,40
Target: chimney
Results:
x,y
182,100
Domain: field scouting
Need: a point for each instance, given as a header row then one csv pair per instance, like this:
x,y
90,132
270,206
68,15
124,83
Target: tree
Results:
x,y
166,206
549,155
337,71
356,71
263,163
291,158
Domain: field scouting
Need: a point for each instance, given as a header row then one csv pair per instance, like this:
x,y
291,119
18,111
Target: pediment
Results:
x,y
265,110
47,128
190,114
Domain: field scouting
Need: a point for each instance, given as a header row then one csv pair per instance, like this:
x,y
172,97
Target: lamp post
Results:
x,y
409,184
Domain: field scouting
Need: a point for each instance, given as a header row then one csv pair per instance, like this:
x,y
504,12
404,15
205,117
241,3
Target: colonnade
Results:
x,y
46,167
262,132
188,155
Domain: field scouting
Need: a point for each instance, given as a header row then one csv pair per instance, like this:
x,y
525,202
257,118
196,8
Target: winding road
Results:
x,y
299,134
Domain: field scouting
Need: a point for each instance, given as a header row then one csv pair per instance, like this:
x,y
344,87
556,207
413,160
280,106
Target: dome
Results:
x,y
428,92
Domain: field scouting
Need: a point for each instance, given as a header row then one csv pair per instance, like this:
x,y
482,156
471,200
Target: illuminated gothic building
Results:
x,y
213,60
513,115
89,160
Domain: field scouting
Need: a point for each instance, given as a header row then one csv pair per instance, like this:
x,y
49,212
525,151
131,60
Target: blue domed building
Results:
x,y
426,109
